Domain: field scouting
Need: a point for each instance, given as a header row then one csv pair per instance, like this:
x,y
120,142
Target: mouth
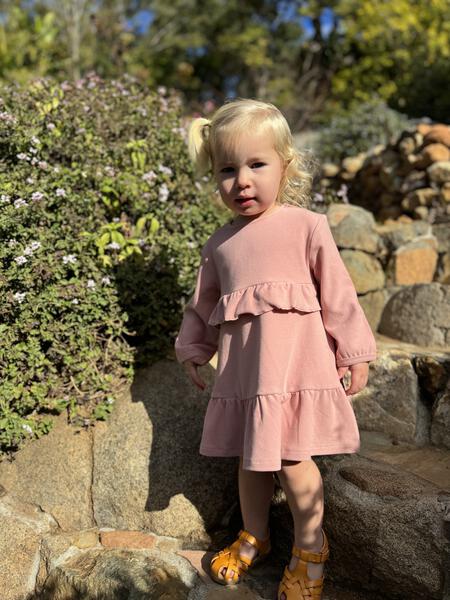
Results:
x,y
245,200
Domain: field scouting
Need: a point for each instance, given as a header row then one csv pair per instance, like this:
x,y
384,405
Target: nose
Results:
x,y
242,178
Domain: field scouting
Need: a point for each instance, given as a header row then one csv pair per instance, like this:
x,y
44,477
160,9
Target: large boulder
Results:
x,y
22,527
140,469
415,262
388,529
419,314
440,419
391,402
364,269
353,227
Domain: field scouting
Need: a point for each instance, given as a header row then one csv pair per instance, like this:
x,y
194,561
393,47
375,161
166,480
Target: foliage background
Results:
x,y
306,56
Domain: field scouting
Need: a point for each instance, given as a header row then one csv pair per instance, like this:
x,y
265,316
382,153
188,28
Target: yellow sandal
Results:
x,y
230,558
295,584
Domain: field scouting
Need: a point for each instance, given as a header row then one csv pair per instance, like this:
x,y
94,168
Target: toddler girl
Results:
x,y
274,298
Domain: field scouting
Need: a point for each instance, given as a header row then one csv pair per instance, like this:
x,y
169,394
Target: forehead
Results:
x,y
244,146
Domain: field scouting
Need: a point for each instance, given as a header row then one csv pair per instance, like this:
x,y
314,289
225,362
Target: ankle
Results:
x,y
310,543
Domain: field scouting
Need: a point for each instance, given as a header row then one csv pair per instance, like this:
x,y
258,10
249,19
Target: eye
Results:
x,y
257,165
226,170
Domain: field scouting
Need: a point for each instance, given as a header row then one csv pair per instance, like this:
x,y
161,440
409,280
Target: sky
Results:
x,y
143,19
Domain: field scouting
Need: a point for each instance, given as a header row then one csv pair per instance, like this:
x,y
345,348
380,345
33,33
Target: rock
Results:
x,y
352,164
422,213
444,269
391,400
373,304
439,134
440,419
397,234
439,172
433,373
120,573
424,128
445,192
406,144
330,170
365,270
413,181
44,472
419,314
420,197
389,523
353,227
22,525
174,491
431,154
414,262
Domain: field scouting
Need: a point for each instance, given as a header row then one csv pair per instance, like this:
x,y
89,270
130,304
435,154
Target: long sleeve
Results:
x,y
342,315
197,340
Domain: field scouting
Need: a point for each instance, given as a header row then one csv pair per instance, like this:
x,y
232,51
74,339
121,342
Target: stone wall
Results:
x,y
410,176
398,263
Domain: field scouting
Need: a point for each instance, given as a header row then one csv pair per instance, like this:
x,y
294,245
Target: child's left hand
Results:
x,y
359,377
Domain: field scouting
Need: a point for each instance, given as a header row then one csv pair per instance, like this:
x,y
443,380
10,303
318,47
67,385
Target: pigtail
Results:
x,y
198,145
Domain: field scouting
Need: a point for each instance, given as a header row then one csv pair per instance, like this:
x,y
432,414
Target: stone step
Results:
x,y
428,462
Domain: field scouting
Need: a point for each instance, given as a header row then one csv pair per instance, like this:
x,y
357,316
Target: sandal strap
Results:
x,y
251,539
315,557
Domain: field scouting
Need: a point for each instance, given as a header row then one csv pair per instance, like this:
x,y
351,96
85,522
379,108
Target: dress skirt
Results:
x,y
277,394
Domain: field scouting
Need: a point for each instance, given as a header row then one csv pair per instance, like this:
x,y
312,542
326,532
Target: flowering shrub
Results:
x,y
99,215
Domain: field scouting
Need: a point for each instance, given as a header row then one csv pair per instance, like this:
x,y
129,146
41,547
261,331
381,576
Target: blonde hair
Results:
x,y
236,116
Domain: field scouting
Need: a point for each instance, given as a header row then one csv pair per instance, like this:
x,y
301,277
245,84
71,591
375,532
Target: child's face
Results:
x,y
249,176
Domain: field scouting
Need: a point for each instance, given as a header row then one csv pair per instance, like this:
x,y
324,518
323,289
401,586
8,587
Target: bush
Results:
x,y
99,215
358,129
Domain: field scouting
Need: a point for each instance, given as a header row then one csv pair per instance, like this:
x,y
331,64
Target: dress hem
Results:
x,y
270,465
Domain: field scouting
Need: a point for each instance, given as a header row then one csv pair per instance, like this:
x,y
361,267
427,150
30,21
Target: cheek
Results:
x,y
225,186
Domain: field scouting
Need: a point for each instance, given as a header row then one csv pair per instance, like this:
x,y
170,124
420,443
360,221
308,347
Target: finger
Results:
x,y
357,384
342,371
198,381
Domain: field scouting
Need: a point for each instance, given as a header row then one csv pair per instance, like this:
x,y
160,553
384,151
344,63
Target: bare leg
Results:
x,y
255,495
303,486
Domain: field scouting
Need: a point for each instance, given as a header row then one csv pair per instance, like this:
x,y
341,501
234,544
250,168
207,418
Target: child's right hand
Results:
x,y
191,370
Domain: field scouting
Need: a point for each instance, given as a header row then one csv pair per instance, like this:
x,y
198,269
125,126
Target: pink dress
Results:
x,y
275,299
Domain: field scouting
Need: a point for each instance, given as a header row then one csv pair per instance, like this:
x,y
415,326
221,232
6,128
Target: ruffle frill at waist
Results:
x,y
263,297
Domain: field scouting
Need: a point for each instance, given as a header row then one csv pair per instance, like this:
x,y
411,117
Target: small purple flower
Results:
x,y
23,156
114,246
149,176
37,196
60,192
19,296
51,126
20,202
166,170
342,191
163,193
69,258
106,280
21,260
